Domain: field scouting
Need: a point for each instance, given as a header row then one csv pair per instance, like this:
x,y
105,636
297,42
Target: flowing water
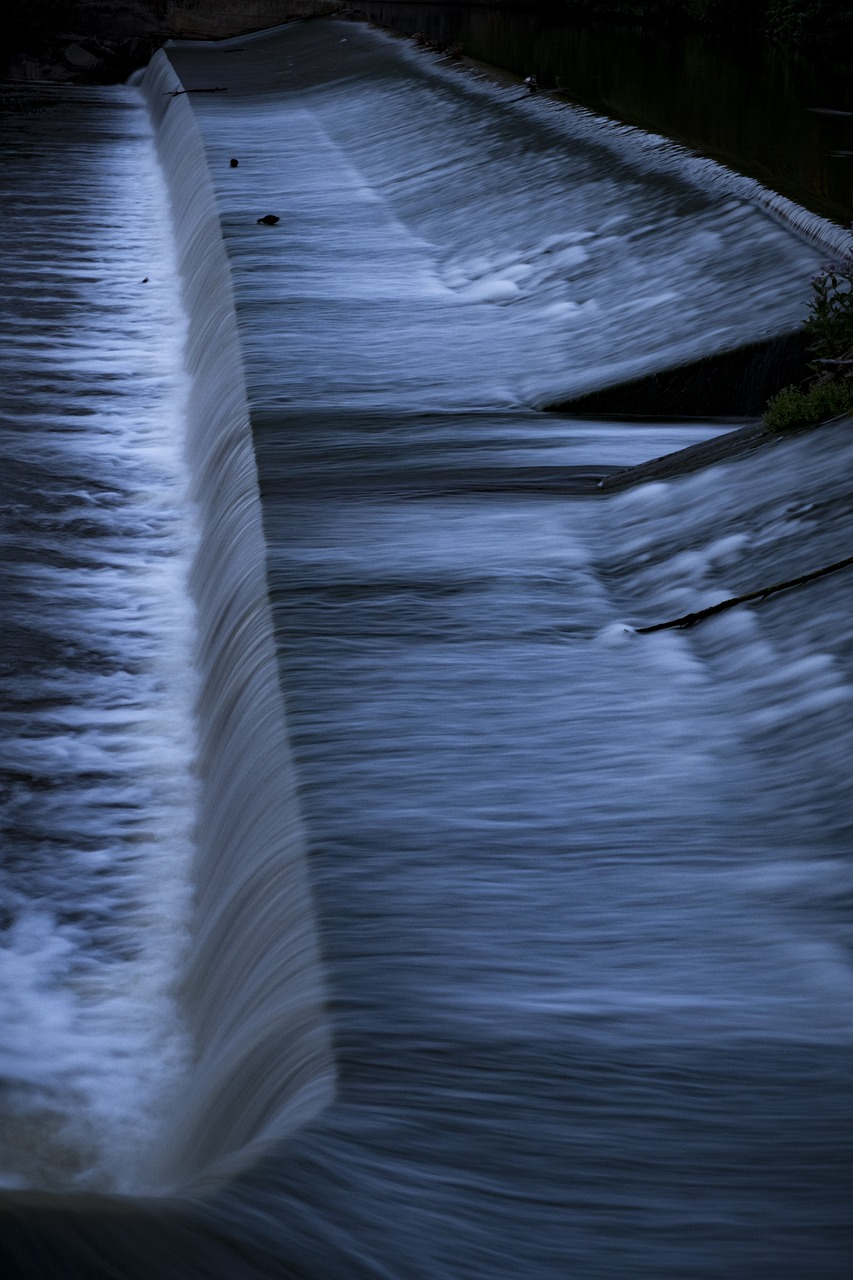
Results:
x,y
97,676
785,118
512,941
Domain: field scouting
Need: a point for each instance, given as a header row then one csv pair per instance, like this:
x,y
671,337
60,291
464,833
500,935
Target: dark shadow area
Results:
x,y
100,1238
734,384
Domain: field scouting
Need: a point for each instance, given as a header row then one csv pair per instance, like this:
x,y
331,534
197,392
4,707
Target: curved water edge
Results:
x,y
615,254
660,154
779,116
253,990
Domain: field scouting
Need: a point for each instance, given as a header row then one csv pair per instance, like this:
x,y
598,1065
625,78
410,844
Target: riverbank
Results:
x,y
91,41
815,26
104,41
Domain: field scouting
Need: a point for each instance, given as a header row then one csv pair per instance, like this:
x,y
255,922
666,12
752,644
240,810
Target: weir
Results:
x,y
253,990
582,885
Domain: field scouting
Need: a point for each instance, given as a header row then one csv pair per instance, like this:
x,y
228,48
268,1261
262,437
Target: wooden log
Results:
x,y
691,619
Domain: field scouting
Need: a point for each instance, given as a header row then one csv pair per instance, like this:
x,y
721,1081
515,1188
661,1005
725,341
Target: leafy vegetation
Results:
x,y
795,407
830,320
829,326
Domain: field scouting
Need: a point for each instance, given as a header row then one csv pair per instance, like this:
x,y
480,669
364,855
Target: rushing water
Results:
x,y
582,894
784,118
98,532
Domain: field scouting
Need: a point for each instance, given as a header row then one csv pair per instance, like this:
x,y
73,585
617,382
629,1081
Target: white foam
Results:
x,y
103,804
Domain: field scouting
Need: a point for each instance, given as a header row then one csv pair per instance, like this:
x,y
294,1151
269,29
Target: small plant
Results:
x,y
830,320
794,407
829,326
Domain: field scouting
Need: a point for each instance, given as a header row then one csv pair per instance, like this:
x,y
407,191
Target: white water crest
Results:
x,y
253,987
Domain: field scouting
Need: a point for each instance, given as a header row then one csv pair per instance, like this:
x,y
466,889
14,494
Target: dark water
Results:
x,y
520,944
783,118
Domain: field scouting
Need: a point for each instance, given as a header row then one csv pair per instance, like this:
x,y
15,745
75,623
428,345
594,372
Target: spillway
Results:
x,y
383,901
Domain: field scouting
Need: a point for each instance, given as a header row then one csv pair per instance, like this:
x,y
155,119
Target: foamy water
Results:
x,y
98,684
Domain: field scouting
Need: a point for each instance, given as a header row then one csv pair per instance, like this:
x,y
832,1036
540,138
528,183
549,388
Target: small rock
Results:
x,y
234,163
76,56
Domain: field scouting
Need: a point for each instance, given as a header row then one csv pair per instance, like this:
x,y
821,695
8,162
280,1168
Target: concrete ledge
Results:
x,y
735,444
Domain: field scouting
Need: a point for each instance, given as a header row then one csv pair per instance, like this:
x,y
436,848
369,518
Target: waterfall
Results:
x,y
253,990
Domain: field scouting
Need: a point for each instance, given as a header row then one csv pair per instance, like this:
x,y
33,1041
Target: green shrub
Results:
x,y
794,407
829,326
830,319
